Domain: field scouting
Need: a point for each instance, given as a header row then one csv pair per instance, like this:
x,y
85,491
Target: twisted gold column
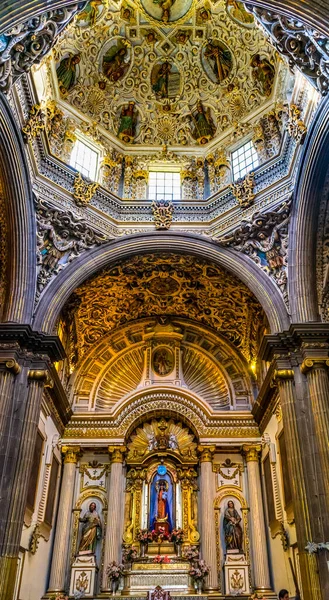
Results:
x,y
208,534
114,529
62,537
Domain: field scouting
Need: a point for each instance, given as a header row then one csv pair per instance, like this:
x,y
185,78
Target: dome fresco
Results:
x,y
153,72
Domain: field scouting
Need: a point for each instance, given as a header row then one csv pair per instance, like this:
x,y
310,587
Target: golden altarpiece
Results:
x,y
158,488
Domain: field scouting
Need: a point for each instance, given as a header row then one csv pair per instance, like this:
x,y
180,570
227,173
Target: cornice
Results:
x,y
289,341
34,341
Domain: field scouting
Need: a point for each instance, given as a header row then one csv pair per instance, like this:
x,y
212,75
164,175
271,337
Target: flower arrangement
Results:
x,y
129,555
161,560
115,570
199,570
161,535
177,536
145,536
191,553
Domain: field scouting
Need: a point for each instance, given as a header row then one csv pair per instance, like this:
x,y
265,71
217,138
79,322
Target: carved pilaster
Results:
x,y
208,534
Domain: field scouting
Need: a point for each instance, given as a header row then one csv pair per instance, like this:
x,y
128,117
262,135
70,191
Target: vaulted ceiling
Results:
x,y
191,71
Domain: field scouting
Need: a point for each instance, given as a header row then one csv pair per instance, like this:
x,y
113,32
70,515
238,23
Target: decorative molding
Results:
x,y
83,190
28,42
243,190
61,237
162,213
305,48
295,126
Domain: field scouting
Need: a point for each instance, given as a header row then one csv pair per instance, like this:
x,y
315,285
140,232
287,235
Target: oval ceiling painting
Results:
x,y
217,61
166,11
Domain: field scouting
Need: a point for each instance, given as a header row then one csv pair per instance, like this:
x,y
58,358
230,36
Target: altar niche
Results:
x,y
161,490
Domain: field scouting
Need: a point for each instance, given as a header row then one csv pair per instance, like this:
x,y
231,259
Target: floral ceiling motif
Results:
x,y
164,71
161,285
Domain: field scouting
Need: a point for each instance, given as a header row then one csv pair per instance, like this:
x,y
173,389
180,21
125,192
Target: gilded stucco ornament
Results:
x,y
296,126
161,435
162,213
205,293
28,42
243,190
83,191
35,123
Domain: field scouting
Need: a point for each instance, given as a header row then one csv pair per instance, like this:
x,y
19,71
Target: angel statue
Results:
x,y
173,444
165,6
204,127
152,442
115,60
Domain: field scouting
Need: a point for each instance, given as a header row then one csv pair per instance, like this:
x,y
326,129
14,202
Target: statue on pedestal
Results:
x,y
162,503
91,530
232,528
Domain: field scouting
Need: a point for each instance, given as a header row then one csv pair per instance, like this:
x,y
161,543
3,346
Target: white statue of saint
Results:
x,y
173,444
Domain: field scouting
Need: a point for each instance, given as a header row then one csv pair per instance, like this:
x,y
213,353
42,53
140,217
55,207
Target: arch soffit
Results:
x,y
311,178
92,261
185,406
95,367
19,209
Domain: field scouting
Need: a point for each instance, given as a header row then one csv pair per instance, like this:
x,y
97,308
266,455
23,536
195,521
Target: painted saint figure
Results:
x,y
114,61
263,73
127,123
160,80
165,6
90,12
232,528
220,59
66,72
204,127
91,530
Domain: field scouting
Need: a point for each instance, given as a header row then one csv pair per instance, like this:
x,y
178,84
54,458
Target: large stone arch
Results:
x,y
303,227
313,12
92,261
20,220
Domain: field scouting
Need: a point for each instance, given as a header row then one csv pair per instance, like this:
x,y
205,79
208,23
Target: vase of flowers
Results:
x,y
144,537
114,572
191,553
199,571
177,536
128,556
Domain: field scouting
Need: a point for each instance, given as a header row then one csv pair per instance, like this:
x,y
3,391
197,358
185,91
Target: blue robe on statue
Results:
x,y
167,496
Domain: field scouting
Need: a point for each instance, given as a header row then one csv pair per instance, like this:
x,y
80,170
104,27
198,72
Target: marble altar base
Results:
x,y
236,570
83,575
146,576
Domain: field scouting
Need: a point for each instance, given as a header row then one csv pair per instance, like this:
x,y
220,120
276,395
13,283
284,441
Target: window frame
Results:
x,y
162,195
248,169
93,148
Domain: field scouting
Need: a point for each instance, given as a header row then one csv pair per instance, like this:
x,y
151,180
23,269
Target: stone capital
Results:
x,y
319,362
206,453
41,375
71,454
281,375
251,452
117,453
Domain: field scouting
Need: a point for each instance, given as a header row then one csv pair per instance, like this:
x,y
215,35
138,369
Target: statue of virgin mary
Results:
x,y
161,508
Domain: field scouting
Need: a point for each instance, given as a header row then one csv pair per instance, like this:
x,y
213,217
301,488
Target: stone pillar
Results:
x,y
284,379
316,370
19,461
62,537
258,533
114,532
208,534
